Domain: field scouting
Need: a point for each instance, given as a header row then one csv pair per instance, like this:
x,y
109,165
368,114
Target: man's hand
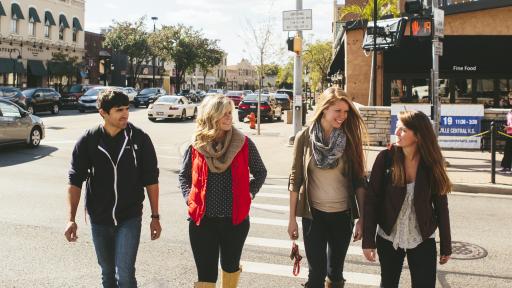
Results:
x,y
293,229
155,229
443,259
70,232
369,254
358,232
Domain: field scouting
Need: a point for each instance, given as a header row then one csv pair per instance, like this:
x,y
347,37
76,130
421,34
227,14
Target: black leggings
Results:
x,y
326,239
421,260
507,156
212,235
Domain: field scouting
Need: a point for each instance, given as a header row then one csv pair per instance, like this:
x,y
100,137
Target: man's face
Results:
x,y
118,117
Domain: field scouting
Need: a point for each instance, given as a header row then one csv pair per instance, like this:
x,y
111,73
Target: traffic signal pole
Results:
x,y
297,86
436,101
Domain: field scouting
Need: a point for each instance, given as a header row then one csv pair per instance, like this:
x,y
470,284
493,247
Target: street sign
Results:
x,y
438,48
438,22
298,20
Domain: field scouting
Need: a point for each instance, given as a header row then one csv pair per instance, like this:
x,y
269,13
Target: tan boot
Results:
x,y
204,285
330,284
230,280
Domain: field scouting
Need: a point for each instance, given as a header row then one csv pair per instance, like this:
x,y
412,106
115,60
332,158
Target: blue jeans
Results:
x,y
116,248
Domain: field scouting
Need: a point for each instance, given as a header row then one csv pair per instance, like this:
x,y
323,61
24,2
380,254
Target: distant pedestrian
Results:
x,y
218,190
506,162
327,185
117,160
406,203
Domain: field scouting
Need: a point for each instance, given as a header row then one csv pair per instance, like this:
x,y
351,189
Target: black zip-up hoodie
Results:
x,y
115,186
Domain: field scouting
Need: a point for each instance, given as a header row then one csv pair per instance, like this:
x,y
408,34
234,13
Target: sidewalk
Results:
x,y
469,171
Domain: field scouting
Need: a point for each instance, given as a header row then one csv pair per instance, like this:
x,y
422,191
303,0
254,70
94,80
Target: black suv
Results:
x,y
14,95
269,108
148,96
42,99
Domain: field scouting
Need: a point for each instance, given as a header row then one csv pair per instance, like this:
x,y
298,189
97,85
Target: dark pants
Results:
x,y
116,248
421,260
326,239
216,234
507,156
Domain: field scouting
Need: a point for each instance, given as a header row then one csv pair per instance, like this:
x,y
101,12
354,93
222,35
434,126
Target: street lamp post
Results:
x,y
154,30
14,60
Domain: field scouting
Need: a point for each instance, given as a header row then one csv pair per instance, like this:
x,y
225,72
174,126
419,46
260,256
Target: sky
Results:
x,y
226,20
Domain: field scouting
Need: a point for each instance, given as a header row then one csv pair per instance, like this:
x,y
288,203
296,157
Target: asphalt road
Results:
x,y
33,209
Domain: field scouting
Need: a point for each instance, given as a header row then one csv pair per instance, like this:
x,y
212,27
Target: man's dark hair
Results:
x,y
109,99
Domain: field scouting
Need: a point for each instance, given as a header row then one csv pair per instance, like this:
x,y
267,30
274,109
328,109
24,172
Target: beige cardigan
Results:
x,y
298,179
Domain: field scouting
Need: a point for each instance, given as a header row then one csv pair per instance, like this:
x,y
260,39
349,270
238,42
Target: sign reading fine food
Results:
x,y
458,123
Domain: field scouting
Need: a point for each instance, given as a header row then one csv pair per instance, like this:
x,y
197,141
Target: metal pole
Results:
x,y
493,152
374,58
297,87
154,30
436,103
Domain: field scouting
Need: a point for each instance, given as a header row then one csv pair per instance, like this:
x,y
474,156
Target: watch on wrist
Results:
x,y
155,216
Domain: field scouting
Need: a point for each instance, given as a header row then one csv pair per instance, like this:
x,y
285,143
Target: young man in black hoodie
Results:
x,y
117,160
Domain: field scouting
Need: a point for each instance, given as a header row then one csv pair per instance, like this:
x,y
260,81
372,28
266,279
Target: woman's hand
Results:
x,y
369,254
358,232
443,259
293,229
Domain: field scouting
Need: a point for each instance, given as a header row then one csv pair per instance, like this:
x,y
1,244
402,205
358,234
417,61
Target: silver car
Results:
x,y
18,126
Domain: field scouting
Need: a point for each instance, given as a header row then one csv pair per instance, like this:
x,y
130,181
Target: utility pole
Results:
x,y
297,86
154,30
437,50
374,56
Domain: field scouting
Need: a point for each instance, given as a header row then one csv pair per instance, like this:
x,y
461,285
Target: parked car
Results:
x,y
248,92
148,96
88,101
14,95
130,92
69,97
269,109
287,92
236,96
42,99
18,126
215,91
284,101
172,107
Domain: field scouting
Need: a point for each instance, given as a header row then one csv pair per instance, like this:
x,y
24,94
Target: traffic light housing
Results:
x,y
414,6
294,44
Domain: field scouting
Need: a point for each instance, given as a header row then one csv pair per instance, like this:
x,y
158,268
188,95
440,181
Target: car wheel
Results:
x,y
55,109
30,109
35,137
195,114
152,119
183,115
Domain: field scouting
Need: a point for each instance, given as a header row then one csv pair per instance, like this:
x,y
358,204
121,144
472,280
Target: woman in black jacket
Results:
x,y
407,199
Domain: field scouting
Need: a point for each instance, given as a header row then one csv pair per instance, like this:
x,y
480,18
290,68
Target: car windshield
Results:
x,y
281,96
28,92
93,92
167,99
148,91
234,93
75,89
213,91
254,98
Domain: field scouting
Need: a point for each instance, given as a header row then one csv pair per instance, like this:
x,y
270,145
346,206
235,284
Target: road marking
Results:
x,y
286,271
499,196
270,207
273,195
272,222
281,187
286,244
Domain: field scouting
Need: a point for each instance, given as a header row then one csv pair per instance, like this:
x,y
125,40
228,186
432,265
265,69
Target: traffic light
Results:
x,y
294,44
289,42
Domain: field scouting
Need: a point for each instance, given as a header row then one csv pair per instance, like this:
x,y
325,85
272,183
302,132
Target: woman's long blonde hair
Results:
x,y
428,149
211,110
353,127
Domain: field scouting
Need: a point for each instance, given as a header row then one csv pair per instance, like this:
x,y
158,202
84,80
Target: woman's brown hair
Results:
x,y
428,149
353,127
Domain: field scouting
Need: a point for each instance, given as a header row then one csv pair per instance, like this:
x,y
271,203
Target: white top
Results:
x,y
406,232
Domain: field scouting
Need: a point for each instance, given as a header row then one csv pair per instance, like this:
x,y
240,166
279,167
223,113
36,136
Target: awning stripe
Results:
x,y
76,24
16,11
32,15
2,11
63,22
48,19
36,67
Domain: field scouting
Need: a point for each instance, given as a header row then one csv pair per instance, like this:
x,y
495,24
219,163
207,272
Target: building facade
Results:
x,y
242,76
474,68
41,42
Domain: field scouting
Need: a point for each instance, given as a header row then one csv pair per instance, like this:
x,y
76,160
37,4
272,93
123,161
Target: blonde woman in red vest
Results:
x,y
216,184
326,178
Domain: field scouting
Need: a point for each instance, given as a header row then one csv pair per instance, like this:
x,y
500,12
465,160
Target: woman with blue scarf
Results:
x,y
327,185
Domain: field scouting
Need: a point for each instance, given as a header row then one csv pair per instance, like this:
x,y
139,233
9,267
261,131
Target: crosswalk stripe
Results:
x,y
286,270
273,195
270,221
271,207
280,187
286,244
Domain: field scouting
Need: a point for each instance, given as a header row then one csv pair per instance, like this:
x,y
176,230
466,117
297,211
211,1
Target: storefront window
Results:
x,y
485,85
505,85
47,31
61,32
14,26
31,29
75,33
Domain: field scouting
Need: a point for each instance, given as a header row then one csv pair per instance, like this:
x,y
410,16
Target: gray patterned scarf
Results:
x,y
326,157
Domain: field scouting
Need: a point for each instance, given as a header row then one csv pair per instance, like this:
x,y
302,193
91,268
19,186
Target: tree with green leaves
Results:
x,y
210,55
317,58
69,66
180,44
130,39
285,75
384,7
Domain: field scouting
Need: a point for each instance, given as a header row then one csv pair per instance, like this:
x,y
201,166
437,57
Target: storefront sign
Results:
x,y
465,68
458,123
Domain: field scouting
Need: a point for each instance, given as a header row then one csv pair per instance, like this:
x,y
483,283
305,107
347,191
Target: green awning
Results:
x,y
36,67
63,22
16,11
32,15
2,11
59,68
76,24
7,66
48,19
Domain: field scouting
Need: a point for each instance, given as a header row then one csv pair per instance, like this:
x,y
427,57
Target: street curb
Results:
x,y
499,189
